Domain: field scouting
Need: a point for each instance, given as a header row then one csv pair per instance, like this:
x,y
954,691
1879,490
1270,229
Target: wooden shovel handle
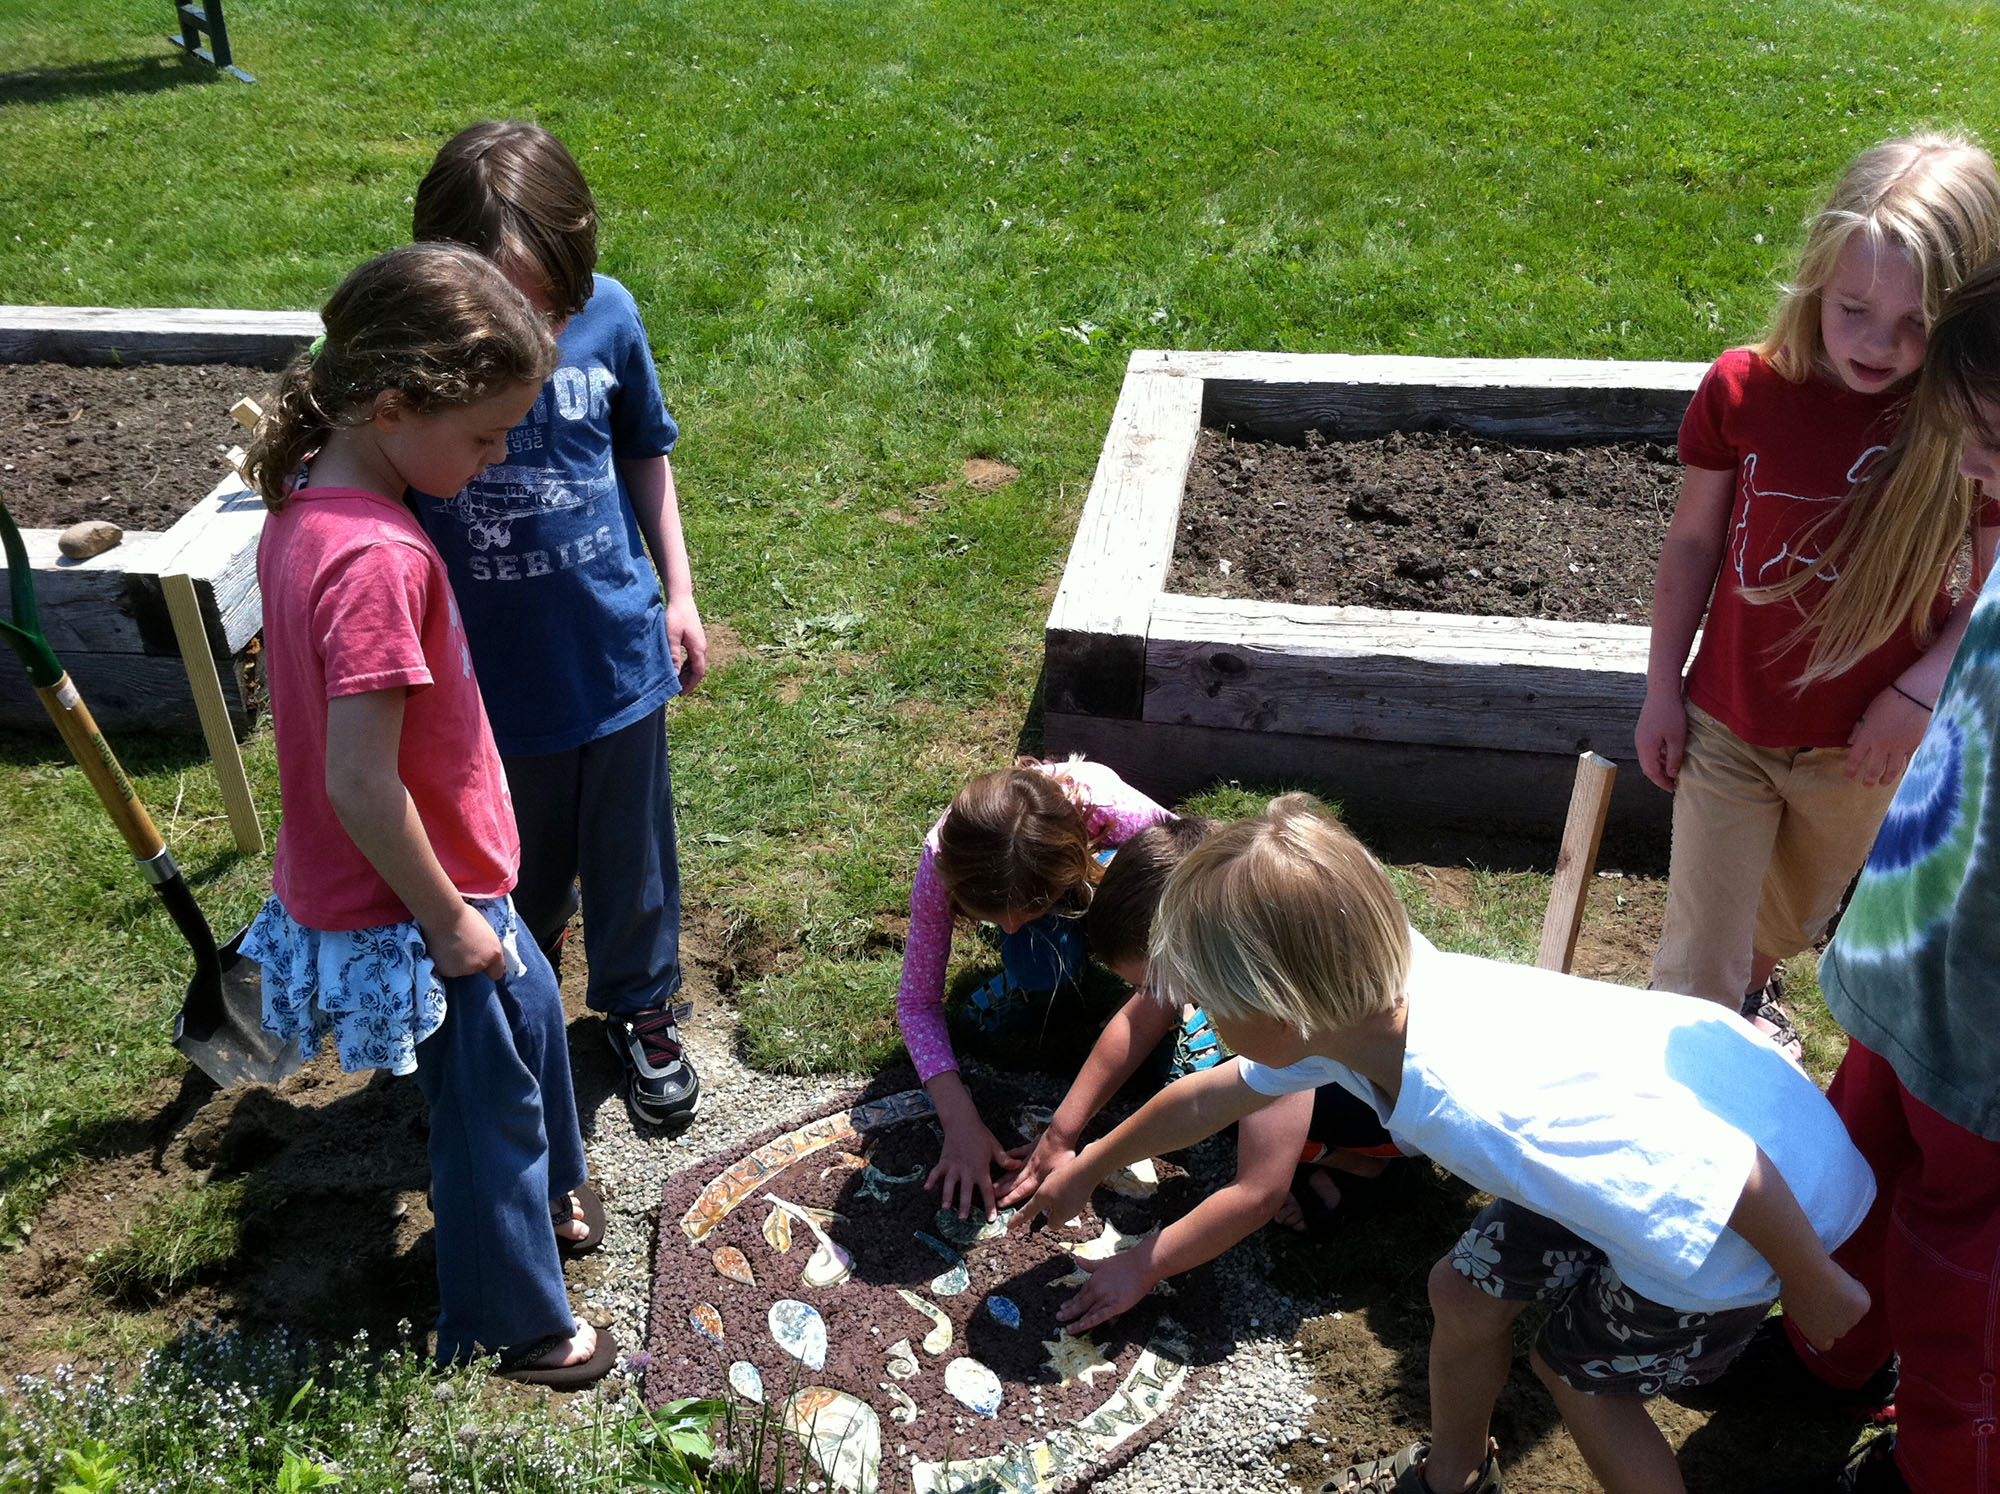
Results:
x,y
1589,803
93,754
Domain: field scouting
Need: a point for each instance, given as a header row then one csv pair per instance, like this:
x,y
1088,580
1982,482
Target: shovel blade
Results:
x,y
220,1025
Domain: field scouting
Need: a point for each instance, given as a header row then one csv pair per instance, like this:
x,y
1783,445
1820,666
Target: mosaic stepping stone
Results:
x,y
1140,1180
973,1385
778,1230
1072,1358
732,1263
746,1382
945,1252
876,1184
970,1231
706,1321
939,1338
905,1410
903,1360
843,1435
829,1264
1004,1311
952,1282
800,1331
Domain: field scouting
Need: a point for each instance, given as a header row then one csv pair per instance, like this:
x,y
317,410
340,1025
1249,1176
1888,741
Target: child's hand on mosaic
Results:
x,y
1116,1284
965,1168
1038,1160
1061,1197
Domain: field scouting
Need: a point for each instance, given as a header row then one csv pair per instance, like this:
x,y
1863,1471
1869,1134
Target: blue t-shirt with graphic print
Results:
x,y
561,603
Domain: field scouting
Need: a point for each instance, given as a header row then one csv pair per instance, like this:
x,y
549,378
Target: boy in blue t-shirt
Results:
x,y
576,650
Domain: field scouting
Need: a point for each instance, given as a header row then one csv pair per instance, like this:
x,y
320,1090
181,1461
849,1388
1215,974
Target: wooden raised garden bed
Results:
x,y
107,616
1425,717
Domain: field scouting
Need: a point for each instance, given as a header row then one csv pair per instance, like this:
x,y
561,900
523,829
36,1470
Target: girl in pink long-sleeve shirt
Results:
x,y
1018,848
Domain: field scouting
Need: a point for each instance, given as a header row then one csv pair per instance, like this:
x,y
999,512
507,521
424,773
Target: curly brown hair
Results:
x,y
436,323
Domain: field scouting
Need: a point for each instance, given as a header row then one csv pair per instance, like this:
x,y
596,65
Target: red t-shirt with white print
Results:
x,y
356,599
1796,450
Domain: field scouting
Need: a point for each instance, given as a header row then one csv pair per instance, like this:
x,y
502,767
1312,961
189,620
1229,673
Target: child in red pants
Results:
x,y
1914,977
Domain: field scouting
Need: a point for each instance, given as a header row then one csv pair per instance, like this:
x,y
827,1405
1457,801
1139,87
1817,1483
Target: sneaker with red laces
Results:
x,y
661,1086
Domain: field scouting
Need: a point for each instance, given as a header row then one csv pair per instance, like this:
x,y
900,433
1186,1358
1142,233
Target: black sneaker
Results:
x,y
1873,1470
661,1086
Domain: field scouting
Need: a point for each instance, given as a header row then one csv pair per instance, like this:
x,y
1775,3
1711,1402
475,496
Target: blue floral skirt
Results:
x,y
373,989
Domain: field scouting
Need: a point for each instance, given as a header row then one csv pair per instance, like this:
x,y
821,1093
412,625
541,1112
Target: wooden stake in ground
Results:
x,y
207,687
1589,803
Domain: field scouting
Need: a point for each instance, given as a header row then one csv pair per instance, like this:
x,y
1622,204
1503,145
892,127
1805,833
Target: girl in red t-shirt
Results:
x,y
390,929
1820,547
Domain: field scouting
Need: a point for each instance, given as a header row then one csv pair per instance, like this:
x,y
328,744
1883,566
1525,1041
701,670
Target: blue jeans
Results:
x,y
1045,954
604,813
504,1141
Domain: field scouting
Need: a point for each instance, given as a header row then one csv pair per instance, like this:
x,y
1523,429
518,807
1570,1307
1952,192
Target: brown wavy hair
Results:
x,y
437,324
513,191
1015,840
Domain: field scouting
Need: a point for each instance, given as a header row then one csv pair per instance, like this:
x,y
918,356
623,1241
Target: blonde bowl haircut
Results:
x,y
1885,552
1286,916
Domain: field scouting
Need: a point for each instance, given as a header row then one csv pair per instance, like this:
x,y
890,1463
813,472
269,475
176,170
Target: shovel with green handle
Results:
x,y
220,1025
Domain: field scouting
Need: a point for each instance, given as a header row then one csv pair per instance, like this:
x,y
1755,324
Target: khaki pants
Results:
x,y
1765,841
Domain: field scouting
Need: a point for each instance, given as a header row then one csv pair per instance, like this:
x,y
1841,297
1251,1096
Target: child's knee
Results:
x,y
1456,1299
1546,1373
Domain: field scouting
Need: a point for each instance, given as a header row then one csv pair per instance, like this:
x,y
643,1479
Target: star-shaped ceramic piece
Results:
x,y
1073,1358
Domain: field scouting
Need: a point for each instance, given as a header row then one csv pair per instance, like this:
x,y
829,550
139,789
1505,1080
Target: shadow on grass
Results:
x,y
103,77
139,753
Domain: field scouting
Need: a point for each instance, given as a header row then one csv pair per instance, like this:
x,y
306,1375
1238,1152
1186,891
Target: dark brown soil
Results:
x,y
1435,522
865,1317
138,446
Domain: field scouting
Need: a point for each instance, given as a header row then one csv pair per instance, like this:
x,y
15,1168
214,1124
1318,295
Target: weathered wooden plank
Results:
x,y
127,692
1282,395
1095,639
87,606
215,543
119,334
1583,832
1512,684
1476,789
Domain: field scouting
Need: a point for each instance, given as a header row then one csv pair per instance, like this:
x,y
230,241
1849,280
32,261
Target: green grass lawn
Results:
x,y
871,241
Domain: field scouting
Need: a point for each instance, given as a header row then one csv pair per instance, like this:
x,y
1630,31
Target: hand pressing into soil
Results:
x,y
1037,1162
1116,1284
1061,1196
964,1171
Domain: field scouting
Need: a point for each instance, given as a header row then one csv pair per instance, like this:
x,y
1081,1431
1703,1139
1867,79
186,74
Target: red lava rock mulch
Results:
x,y
865,1317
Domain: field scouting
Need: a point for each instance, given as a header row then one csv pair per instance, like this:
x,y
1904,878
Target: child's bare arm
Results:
x,y
650,481
1689,558
1268,1144
364,734
1178,1116
1823,1300
1127,1038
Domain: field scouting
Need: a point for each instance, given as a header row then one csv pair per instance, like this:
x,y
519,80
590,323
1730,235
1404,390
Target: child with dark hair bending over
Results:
x,y
1657,1193
389,928
559,557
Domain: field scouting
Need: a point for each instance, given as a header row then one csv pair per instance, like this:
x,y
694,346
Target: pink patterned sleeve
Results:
x,y
1117,810
920,997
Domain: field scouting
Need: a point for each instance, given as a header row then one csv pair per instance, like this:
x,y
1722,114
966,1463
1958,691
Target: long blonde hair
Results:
x,y
437,323
1286,916
1886,550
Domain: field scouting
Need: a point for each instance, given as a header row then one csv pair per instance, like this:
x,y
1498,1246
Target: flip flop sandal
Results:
x,y
1403,1474
1359,1198
589,1206
564,1376
1760,1008
1196,1046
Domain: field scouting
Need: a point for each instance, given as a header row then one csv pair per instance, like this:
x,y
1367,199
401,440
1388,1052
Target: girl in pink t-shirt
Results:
x,y
1020,848
389,928
1812,545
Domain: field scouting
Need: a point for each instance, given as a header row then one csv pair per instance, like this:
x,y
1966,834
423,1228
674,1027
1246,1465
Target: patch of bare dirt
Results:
x,y
1434,521
138,446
